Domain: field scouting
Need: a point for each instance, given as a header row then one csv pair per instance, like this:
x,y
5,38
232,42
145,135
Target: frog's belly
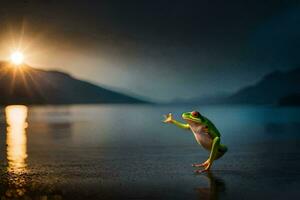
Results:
x,y
204,139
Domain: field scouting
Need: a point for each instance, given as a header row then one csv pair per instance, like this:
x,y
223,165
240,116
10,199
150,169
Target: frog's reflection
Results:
x,y
216,186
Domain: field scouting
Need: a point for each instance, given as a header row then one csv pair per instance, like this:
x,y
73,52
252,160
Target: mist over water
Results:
x,y
104,151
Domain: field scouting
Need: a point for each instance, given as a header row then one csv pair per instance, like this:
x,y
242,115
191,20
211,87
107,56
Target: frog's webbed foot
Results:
x,y
201,164
206,165
206,169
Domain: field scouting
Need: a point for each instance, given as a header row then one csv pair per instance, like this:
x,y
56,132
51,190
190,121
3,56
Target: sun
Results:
x,y
17,57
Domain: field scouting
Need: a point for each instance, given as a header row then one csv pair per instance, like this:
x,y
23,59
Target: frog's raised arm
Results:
x,y
169,119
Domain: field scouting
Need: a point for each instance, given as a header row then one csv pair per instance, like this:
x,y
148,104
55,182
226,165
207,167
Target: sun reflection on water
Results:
x,y
16,138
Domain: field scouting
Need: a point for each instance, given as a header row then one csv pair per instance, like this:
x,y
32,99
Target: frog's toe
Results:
x,y
204,164
206,169
198,164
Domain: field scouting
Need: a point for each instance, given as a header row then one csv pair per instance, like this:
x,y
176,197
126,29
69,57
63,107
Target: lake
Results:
x,y
125,151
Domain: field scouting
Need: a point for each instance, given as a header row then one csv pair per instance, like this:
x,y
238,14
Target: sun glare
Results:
x,y
16,139
17,58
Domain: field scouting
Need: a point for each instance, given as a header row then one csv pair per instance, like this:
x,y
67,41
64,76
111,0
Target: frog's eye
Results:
x,y
195,114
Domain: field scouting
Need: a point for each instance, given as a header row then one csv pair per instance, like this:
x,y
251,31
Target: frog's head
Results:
x,y
193,117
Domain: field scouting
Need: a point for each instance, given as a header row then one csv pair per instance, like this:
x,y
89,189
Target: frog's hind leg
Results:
x,y
221,151
217,151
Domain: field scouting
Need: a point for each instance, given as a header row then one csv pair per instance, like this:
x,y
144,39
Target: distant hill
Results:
x,y
290,100
27,85
271,89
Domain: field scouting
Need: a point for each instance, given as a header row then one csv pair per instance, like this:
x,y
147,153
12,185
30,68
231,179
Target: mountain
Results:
x,y
290,100
27,85
270,89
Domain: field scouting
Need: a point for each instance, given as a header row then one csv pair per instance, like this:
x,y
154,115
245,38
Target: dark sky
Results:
x,y
157,49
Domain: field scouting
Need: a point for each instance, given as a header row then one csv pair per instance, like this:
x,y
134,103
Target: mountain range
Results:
x,y
26,85
273,88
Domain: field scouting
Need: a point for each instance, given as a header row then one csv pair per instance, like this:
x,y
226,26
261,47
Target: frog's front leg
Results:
x,y
169,119
213,153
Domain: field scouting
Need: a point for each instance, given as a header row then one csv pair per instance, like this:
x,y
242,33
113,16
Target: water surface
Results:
x,y
121,151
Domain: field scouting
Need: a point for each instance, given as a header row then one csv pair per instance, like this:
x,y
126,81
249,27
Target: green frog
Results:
x,y
206,134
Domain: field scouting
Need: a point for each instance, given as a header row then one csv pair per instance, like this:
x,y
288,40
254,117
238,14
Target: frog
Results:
x,y
206,135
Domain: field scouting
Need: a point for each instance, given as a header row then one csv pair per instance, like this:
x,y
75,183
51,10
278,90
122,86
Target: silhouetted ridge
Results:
x,y
27,85
290,100
270,89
